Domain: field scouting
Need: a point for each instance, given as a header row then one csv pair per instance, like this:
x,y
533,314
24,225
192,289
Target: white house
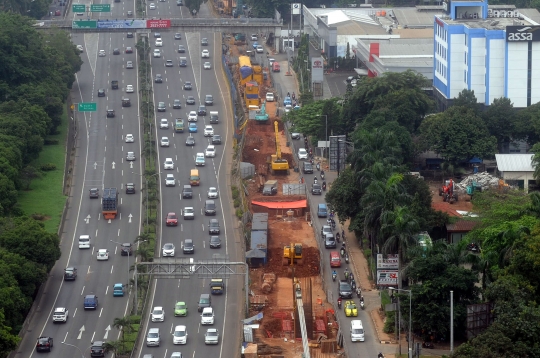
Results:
x,y
516,169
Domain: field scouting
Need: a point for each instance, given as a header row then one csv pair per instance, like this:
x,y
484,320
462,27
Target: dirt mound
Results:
x,y
310,263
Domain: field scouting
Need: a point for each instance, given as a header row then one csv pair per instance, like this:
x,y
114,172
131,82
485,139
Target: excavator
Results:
x,y
261,116
278,164
292,254
447,192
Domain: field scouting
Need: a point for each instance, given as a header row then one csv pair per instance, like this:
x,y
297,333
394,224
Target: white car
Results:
x,y
254,37
212,193
208,131
164,142
103,254
152,6
129,89
168,250
199,160
80,48
211,336
271,61
159,42
192,116
158,314
269,97
60,314
302,154
189,213
210,151
101,53
180,335
207,316
169,180
207,66
164,123
157,53
205,54
168,164
288,108
130,138
259,49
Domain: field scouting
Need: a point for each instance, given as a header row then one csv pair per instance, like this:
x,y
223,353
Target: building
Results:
x,y
493,50
516,169
456,231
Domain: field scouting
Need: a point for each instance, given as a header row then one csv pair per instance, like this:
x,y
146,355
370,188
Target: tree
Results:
x,y
8,340
458,135
536,162
125,325
499,120
467,99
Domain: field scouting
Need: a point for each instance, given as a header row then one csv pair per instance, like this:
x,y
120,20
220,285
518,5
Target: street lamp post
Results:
x,y
409,345
116,242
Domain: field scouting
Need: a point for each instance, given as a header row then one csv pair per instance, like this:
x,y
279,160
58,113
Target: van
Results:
x,y
183,62
90,302
194,178
214,117
204,301
187,192
210,207
275,67
118,290
207,316
322,211
357,331
179,125
153,337
84,242
335,260
307,167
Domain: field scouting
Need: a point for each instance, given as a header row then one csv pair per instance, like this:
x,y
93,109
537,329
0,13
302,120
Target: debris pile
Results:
x,y
483,180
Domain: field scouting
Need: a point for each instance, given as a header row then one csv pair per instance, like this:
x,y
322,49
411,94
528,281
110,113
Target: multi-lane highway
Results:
x,y
101,163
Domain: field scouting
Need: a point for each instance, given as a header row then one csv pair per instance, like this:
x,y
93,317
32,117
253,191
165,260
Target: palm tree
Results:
x,y
123,324
536,161
112,346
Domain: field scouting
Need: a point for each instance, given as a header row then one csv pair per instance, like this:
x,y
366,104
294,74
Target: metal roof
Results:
x,y
514,162
259,240
259,222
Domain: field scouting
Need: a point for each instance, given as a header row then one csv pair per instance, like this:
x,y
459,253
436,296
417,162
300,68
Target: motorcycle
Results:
x,y
318,166
315,180
324,185
380,355
339,303
473,247
342,252
353,284
338,237
362,306
334,275
359,292
346,259
346,274
322,173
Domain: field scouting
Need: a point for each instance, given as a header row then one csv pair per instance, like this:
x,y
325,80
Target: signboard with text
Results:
x,y
121,24
387,278
100,8
390,262
317,69
87,107
522,33
79,8
84,24
158,24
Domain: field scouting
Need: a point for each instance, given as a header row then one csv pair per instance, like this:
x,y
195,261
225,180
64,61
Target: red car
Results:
x,y
129,49
171,219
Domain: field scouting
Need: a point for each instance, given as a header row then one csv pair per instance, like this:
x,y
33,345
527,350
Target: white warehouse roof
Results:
x,y
514,162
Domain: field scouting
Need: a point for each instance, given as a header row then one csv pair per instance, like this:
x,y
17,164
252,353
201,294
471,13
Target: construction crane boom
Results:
x,y
278,147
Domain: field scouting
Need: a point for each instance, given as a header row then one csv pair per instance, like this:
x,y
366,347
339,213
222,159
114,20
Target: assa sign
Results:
x,y
522,33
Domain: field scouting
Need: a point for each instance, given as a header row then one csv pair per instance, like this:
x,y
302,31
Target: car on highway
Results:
x,y
60,314
159,42
129,64
180,309
157,35
180,335
302,154
207,66
110,113
255,44
199,160
189,213
44,344
205,53
169,180
210,151
211,336
192,127
207,316
177,36
118,290
126,249
161,107
168,250
190,100
345,289
116,51
208,131
177,104
129,35
254,37
190,140
259,49
179,3
215,242
209,100
97,349
130,13
269,97
130,156
350,309
164,142
101,92
192,116
169,63
326,229
188,247
164,123
216,139
129,49
316,189
153,338
204,41
188,86
102,53
80,48
187,191
295,135
171,219
181,49
70,274
130,188
94,193
330,241
205,300
213,227
168,164
103,255
202,110
212,193
129,89
157,53
152,6
158,79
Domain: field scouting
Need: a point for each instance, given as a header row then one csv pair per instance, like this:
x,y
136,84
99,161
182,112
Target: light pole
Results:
x,y
74,346
129,254
409,345
327,147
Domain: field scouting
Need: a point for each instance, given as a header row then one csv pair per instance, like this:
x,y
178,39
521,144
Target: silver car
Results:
x,y
130,156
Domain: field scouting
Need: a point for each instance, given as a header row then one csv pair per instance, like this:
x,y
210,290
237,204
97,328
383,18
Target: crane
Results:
x,y
278,164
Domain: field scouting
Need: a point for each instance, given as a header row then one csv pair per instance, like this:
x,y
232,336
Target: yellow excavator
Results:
x,y
292,254
277,163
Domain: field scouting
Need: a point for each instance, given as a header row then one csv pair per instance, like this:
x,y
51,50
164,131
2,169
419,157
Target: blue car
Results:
x,y
192,127
255,44
118,290
287,101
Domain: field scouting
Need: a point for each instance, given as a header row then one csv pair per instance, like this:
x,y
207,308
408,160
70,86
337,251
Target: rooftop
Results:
x,y
462,226
396,52
514,162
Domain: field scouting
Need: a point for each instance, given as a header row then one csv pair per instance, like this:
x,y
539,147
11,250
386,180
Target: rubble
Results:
x,y
483,180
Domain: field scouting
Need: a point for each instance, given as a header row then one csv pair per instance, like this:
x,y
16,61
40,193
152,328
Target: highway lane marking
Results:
x,y
100,312
75,313
111,274
81,330
96,237
118,232
107,289
65,337
93,334
82,291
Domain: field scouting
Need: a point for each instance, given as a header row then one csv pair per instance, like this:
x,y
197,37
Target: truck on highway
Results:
x,y
109,203
214,117
217,286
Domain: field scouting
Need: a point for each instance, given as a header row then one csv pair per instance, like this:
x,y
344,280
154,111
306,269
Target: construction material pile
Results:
x,y
483,180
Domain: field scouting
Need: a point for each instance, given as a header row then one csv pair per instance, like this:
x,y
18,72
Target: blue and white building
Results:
x,y
493,50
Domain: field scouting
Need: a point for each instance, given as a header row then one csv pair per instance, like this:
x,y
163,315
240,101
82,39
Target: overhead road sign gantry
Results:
x,y
79,8
100,8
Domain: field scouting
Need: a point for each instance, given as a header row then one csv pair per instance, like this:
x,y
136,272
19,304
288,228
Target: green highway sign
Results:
x,y
87,107
100,8
84,24
79,8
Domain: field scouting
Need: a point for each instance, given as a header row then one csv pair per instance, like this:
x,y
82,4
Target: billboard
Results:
x,y
121,24
338,152
522,33
83,24
295,8
387,278
317,69
390,262
158,24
